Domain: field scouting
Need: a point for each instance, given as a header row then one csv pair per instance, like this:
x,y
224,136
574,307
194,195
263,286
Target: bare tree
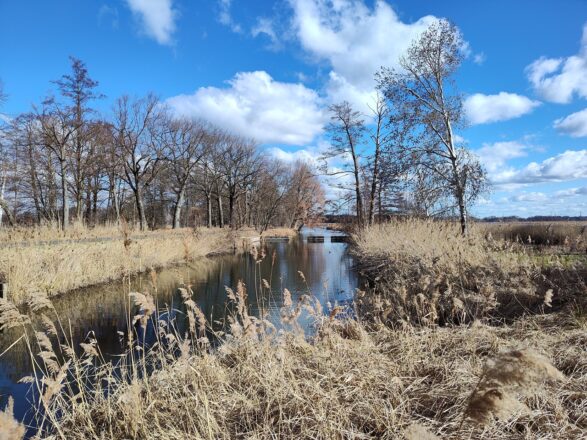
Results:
x,y
3,168
184,142
305,198
379,138
347,130
423,94
79,90
135,125
58,130
239,162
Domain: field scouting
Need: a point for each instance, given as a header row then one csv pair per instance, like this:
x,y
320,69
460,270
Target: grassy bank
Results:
x,y
456,338
58,267
51,261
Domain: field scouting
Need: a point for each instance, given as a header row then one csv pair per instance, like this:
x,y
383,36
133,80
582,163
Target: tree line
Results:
x,y
62,161
144,164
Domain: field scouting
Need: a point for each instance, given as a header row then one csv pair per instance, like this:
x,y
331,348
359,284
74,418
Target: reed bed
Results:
x,y
572,234
350,380
426,272
52,231
59,266
391,373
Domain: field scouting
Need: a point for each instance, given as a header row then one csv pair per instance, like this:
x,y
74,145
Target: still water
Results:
x,y
102,311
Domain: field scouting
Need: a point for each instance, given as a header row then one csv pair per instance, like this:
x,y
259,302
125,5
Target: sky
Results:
x,y
270,69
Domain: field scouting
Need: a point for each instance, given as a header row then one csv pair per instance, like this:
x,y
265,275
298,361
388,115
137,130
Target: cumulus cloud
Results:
x,y
483,109
567,166
571,192
354,39
255,105
308,155
559,79
574,125
157,18
495,156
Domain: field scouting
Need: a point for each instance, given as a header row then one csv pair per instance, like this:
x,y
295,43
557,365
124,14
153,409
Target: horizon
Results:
x,y
269,71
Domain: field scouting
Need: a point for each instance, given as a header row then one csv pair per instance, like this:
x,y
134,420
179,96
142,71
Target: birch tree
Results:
x,y
423,92
347,130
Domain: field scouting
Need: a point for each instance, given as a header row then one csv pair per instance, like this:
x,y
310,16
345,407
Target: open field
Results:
x,y
571,234
456,338
51,261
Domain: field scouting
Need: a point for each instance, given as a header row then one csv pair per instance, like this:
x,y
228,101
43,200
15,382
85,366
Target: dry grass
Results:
x,y
10,429
349,381
57,267
572,235
426,272
279,232
52,231
353,379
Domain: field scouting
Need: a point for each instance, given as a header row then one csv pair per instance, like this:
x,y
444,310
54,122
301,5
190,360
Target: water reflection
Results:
x,y
103,310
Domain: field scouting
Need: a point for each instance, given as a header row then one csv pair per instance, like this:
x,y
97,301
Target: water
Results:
x,y
102,311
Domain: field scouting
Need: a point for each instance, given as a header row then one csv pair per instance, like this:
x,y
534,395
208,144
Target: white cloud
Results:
x,y
495,156
574,125
255,105
529,197
483,109
308,155
265,26
570,165
354,39
157,18
558,79
571,192
225,17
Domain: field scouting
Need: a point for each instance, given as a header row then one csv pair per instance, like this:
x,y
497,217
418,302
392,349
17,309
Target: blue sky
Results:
x,y
269,70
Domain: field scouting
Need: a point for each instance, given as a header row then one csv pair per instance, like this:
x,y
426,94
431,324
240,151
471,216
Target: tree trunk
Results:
x,y
64,200
140,208
177,208
462,212
459,189
220,211
231,210
4,207
209,210
358,188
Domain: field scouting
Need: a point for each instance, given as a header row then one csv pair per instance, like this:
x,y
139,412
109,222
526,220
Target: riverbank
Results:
x,y
351,380
52,262
456,338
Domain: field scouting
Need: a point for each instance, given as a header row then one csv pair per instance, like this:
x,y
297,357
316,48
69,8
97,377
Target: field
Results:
x,y
455,337
572,235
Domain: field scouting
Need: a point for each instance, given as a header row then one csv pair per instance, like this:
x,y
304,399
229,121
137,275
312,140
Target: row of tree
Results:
x,y
62,161
143,163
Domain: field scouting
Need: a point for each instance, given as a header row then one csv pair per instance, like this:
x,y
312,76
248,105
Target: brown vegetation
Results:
x,y
426,272
350,380
53,262
353,378
570,235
